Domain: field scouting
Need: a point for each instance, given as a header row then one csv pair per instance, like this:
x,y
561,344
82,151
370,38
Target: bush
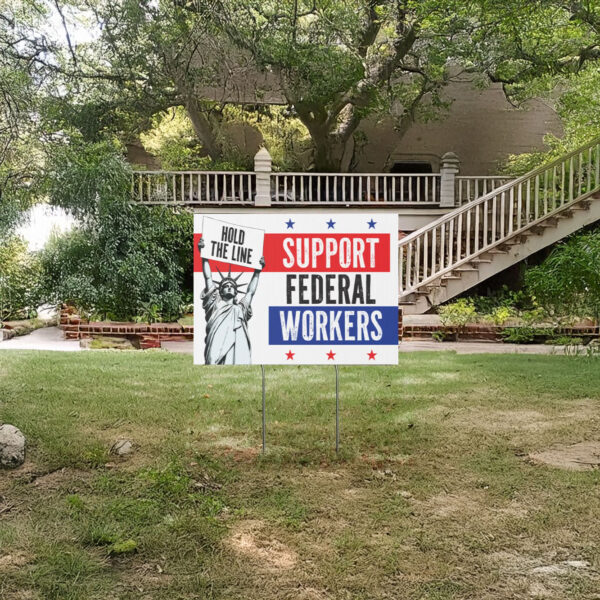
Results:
x,y
567,282
457,314
137,259
19,271
121,259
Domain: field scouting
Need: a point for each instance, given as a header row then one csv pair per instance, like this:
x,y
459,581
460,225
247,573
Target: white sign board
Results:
x,y
302,288
234,244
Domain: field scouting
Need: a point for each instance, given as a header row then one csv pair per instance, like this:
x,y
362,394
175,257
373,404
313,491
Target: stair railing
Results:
x,y
426,255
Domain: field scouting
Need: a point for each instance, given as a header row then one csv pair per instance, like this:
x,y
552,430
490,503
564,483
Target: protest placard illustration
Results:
x,y
307,288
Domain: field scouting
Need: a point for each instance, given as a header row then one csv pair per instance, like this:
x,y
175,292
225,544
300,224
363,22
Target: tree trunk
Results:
x,y
203,129
327,157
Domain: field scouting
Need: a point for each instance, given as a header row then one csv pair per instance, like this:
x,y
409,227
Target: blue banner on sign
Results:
x,y
354,325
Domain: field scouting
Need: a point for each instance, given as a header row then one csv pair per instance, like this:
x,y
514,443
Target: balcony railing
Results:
x,y
354,188
264,187
194,187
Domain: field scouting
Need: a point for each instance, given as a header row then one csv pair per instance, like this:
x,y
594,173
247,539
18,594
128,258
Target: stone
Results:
x,y
122,448
12,447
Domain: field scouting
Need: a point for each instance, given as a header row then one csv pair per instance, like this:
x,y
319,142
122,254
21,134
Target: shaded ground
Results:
x,y
438,492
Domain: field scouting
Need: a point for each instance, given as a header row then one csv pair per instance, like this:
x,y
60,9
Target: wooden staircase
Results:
x,y
497,230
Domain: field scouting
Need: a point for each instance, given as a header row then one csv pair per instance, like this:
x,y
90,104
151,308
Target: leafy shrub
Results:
x,y
121,259
19,271
524,334
567,282
564,340
457,314
501,314
129,264
518,300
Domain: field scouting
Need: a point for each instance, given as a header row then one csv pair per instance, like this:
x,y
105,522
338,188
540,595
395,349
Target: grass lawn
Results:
x,y
432,496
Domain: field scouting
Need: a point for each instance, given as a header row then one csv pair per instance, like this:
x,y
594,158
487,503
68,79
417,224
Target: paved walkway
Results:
x,y
47,338
51,338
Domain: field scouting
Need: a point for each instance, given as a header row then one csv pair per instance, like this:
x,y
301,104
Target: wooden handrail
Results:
x,y
469,230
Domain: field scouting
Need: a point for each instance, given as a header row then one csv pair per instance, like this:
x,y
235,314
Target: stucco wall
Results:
x,y
482,128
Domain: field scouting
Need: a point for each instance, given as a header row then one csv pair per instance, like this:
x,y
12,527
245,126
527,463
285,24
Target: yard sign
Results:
x,y
296,289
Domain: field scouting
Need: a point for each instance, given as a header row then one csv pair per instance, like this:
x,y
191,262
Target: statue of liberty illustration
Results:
x,y
227,340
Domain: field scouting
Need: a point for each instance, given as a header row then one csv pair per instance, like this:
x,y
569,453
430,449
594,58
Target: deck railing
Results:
x,y
433,251
194,187
355,188
265,187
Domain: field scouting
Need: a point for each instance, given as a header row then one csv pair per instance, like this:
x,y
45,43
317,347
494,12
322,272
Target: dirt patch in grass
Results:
x,y
249,539
146,577
465,506
546,576
14,560
584,456
60,478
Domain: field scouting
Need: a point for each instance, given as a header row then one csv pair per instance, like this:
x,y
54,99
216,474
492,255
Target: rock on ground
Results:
x,y
121,448
12,447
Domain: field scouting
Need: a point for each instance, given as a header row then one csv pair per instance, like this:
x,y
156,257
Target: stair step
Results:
x,y
435,286
497,251
517,239
582,205
466,269
406,303
565,214
447,277
477,261
551,222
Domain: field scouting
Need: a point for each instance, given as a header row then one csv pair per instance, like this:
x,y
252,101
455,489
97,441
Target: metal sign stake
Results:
x,y
337,410
264,422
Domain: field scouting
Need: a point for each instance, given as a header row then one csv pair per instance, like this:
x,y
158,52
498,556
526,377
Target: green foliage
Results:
x,y
440,336
567,282
173,141
564,340
284,135
524,334
457,314
503,297
91,181
19,272
121,259
501,314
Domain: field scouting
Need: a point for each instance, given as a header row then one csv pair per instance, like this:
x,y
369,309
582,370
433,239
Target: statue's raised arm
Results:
x,y
208,282
254,281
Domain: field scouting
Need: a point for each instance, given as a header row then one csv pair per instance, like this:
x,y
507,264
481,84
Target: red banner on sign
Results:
x,y
316,252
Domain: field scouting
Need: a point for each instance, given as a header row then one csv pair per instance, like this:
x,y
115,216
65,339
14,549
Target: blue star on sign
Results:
x,y
290,224
330,224
371,224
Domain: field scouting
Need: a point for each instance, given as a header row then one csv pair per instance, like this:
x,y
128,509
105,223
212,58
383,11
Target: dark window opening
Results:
x,y
412,167
416,189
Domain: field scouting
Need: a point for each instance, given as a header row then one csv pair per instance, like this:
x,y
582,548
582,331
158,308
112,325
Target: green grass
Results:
x,y
430,498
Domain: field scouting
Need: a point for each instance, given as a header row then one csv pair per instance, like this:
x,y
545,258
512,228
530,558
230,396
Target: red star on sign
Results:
x,y
371,355
330,355
290,355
